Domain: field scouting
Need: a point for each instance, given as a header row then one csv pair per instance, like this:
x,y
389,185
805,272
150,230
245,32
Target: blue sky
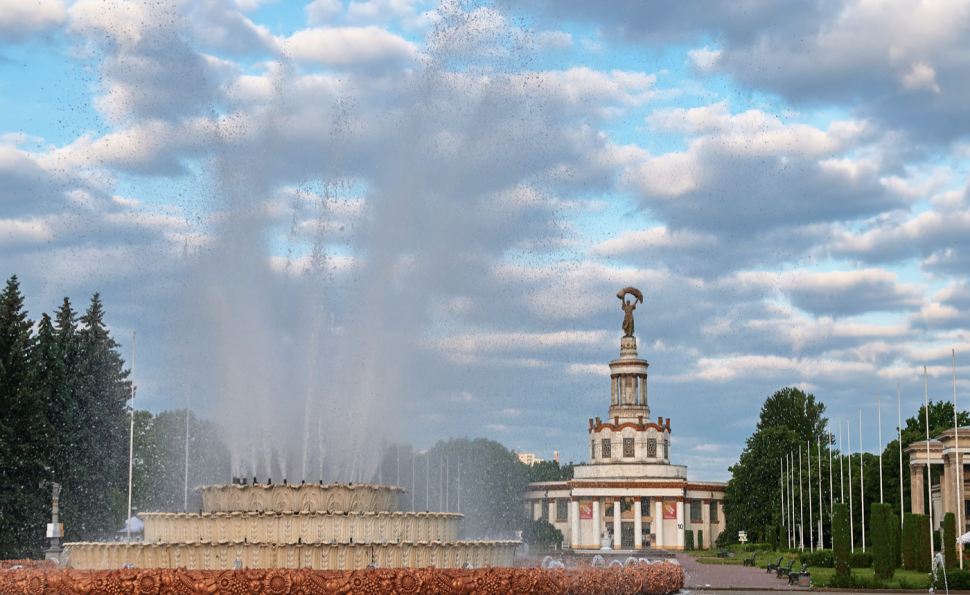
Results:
x,y
332,221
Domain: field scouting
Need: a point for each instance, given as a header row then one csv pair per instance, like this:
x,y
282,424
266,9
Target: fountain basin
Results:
x,y
311,497
302,527
317,556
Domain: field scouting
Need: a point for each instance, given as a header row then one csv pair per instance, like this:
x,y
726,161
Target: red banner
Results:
x,y
585,510
670,510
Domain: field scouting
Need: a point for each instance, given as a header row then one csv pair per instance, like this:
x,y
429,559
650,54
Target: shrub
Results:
x,y
741,548
541,534
956,580
909,542
772,536
840,546
818,559
882,553
897,532
860,559
921,543
700,539
937,542
723,539
688,540
950,539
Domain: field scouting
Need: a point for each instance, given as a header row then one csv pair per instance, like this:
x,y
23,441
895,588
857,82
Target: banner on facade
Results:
x,y
670,510
585,510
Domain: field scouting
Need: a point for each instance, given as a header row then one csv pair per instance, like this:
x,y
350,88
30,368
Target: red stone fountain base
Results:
x,y
640,579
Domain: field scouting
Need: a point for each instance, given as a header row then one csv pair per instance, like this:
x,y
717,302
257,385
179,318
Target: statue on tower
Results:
x,y
628,307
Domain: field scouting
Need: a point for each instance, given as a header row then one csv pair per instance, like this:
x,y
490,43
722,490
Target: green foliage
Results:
x,y
950,539
796,410
700,539
550,471
818,559
688,540
955,580
921,542
909,541
895,532
541,534
937,543
882,549
840,541
771,536
723,540
860,559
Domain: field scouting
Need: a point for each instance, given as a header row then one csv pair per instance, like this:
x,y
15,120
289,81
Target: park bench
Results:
x,y
794,576
782,571
774,565
722,553
750,561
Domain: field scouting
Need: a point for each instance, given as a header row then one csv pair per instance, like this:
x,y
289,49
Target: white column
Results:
x,y
680,523
536,510
552,511
706,515
574,524
614,396
637,524
617,525
596,524
658,522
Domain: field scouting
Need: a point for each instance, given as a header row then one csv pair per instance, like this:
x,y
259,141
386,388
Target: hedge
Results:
x,y
860,559
956,580
700,539
950,540
749,547
897,532
921,543
689,540
882,551
840,545
909,542
818,559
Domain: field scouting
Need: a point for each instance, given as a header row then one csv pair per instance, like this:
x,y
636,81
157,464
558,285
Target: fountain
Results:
x,y
321,527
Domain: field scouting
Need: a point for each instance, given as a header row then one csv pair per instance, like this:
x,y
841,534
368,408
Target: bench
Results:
x,y
750,561
794,576
722,553
774,565
782,571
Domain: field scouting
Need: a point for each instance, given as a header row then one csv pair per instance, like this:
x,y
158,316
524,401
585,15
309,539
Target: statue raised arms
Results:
x,y
628,307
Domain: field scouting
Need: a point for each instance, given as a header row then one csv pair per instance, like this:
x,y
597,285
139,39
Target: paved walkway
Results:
x,y
730,576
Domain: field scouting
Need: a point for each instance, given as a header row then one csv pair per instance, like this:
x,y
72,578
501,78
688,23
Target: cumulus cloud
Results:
x,y
22,18
343,46
848,293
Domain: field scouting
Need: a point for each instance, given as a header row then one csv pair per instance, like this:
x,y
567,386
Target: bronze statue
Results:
x,y
629,307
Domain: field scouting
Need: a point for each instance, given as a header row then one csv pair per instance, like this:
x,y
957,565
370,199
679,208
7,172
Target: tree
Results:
x,y
25,436
796,410
542,534
923,543
748,505
101,445
882,552
950,539
550,471
909,541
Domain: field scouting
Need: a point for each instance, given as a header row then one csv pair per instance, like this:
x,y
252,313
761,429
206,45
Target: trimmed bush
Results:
x,y
741,548
860,559
700,540
542,534
909,542
956,580
950,540
840,545
882,552
818,559
937,542
922,543
896,538
688,540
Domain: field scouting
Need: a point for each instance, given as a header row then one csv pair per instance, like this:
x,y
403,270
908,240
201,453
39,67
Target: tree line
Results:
x,y
64,418
791,419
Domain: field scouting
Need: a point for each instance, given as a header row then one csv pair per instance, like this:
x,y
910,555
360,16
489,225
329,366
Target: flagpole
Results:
x,y
791,501
899,430
961,528
848,444
801,503
929,474
828,439
811,525
841,466
879,405
862,483
781,480
821,542
131,434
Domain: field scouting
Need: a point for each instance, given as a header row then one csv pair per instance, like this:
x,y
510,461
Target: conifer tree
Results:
x,y
101,443
25,437
67,466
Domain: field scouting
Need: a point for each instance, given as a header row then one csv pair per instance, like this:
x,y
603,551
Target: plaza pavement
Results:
x,y
732,577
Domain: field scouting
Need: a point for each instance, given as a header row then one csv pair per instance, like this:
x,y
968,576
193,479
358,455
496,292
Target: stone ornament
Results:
x,y
628,307
638,579
300,498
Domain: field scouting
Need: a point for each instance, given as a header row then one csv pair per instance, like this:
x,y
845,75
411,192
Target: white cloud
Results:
x,y
921,76
322,12
20,18
342,46
704,59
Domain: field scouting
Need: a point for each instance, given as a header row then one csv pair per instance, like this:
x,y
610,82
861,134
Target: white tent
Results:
x,y
965,538
136,525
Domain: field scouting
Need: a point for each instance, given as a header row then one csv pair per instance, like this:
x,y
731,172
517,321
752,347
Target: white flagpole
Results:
x,y
131,435
961,528
929,474
821,542
899,430
781,480
791,501
841,466
848,444
828,439
801,503
879,405
811,525
862,483
185,496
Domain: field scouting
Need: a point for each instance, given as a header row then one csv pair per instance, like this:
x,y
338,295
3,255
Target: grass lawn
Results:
x,y
904,579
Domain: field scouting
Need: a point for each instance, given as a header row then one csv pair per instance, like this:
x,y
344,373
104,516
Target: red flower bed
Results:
x,y
640,579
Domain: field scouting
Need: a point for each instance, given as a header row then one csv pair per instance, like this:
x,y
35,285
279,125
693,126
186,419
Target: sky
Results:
x,y
335,225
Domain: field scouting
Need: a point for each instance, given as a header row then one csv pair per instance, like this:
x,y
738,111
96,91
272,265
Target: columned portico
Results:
x,y
947,451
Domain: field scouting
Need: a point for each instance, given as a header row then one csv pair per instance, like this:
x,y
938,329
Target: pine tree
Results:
x,y
101,443
25,437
